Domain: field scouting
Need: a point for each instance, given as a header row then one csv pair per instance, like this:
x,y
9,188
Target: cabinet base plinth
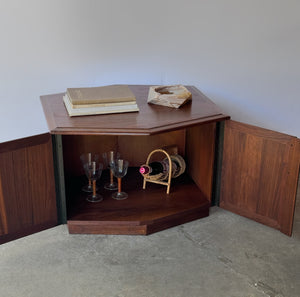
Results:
x,y
133,228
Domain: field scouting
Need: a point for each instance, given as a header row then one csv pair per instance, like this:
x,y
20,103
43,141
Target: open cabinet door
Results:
x,y
27,187
259,174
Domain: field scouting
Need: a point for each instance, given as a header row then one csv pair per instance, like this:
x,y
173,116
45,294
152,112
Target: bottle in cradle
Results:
x,y
155,170
159,170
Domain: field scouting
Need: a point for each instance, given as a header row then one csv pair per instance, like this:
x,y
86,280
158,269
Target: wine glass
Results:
x,y
94,173
88,158
119,170
109,160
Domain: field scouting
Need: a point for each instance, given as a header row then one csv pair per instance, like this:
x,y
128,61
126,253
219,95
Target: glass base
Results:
x,y
88,189
96,198
110,186
119,195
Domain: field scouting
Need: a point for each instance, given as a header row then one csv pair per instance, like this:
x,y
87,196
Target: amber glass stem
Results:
x,y
90,181
119,184
94,188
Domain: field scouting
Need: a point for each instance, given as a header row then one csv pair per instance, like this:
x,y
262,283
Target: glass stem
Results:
x,y
119,184
94,188
111,177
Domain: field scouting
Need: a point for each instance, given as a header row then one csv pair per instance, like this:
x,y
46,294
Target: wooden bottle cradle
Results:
x,y
151,180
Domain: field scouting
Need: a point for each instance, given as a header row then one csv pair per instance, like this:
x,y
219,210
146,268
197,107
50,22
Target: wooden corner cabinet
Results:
x,y
192,129
245,169
255,175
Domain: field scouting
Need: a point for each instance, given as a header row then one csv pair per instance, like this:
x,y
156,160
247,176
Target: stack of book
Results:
x,y
99,100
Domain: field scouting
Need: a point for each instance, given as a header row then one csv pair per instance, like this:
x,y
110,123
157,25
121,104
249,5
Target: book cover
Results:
x,y
98,110
105,94
92,105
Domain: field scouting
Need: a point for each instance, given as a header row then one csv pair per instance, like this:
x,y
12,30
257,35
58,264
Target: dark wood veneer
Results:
x,y
191,128
260,174
151,119
27,188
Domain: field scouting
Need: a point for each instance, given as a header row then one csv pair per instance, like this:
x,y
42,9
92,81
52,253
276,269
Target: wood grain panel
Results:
x,y
200,146
137,148
3,216
75,145
259,174
27,192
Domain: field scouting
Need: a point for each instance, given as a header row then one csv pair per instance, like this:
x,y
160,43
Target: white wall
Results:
x,y
244,55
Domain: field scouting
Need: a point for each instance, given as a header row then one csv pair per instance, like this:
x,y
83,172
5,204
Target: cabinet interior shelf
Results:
x,y
143,212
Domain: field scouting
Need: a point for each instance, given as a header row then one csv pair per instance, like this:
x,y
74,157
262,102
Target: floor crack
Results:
x,y
258,285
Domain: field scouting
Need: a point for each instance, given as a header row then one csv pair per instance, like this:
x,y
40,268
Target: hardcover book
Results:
x,y
105,94
100,109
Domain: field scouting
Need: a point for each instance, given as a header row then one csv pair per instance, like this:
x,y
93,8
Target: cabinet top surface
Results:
x,y
151,119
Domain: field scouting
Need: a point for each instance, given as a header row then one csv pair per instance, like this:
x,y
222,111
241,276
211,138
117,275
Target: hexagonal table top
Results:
x,y
151,119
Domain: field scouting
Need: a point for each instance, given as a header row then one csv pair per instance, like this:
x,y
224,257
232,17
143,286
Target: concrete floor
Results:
x,y
221,255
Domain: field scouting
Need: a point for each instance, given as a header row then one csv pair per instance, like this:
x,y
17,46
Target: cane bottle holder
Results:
x,y
159,179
